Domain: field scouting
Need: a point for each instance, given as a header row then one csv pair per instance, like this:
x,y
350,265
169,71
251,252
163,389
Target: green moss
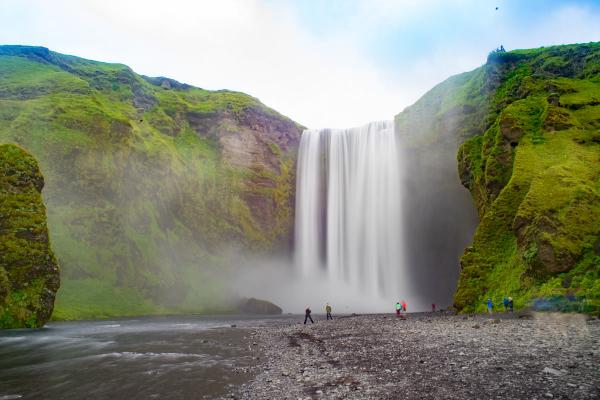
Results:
x,y
95,298
22,79
275,149
28,269
583,281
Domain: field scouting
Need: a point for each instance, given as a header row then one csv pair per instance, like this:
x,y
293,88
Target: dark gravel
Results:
x,y
429,356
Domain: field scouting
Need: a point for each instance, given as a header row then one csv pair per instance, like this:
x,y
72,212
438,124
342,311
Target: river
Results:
x,y
179,357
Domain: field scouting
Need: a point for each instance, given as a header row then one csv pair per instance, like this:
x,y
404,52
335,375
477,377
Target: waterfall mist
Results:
x,y
439,218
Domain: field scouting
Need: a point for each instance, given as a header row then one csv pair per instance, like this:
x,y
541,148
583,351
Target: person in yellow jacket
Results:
x,y
328,311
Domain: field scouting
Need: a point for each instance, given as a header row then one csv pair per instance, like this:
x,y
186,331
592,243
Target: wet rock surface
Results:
x,y
429,356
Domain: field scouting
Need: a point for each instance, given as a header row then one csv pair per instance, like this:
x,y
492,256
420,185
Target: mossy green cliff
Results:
x,y
535,177
29,276
529,124
155,189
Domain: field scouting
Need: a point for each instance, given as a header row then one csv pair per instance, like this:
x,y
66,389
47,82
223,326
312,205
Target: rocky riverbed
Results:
x,y
429,356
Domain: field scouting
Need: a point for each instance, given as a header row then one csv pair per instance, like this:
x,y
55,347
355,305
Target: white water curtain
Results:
x,y
348,224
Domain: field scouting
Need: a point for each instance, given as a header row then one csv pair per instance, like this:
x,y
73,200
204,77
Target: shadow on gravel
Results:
x,y
349,381
295,337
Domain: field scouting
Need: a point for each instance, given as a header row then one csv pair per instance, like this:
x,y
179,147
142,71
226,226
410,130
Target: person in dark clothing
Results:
x,y
510,304
307,316
432,307
505,303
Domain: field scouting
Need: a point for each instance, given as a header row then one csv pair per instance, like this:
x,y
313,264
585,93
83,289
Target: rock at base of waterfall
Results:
x,y
257,306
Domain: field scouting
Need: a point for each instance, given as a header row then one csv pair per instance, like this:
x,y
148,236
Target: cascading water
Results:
x,y
348,226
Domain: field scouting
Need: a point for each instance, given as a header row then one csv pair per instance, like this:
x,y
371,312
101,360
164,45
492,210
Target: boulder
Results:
x,y
257,306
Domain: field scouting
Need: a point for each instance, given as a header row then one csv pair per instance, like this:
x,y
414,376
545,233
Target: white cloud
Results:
x,y
266,51
236,45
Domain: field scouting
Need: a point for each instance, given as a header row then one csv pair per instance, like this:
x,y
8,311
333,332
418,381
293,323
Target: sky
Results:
x,y
336,63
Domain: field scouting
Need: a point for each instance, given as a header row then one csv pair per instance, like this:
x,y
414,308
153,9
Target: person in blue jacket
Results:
x,y
490,305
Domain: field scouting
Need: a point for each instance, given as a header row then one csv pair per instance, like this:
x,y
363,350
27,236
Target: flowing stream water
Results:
x,y
184,357
348,225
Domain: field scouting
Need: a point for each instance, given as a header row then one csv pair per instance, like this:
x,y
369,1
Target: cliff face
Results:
x,y
526,127
535,178
29,276
153,186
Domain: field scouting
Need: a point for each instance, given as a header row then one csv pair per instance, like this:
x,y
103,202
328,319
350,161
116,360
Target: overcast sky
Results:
x,y
322,63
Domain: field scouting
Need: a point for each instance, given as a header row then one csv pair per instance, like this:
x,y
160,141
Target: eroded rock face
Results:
x,y
29,274
264,145
252,139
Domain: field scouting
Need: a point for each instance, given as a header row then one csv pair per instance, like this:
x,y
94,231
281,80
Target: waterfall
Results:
x,y
348,226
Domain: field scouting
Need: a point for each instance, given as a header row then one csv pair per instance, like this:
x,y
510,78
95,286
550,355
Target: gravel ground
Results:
x,y
429,356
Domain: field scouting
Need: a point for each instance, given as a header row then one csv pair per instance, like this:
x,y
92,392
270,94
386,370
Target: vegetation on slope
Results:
x,y
152,186
29,276
534,174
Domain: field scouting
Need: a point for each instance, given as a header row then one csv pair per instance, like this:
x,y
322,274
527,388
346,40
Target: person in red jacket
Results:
x,y
403,306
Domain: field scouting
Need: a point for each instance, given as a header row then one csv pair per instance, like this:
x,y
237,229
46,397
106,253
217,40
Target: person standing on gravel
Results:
x,y
505,303
490,305
307,316
403,306
398,309
328,311
510,304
